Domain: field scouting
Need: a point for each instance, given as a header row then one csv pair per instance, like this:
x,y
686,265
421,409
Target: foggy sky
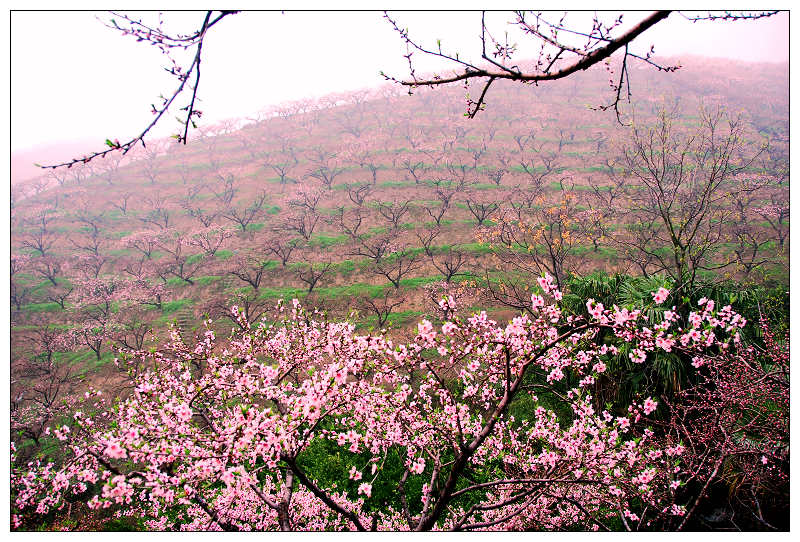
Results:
x,y
74,79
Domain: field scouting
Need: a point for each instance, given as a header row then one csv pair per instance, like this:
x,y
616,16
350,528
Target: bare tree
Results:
x,y
450,261
250,268
122,204
304,216
226,188
179,263
394,211
324,166
413,165
436,209
312,273
252,211
151,162
49,267
209,239
396,263
349,221
248,304
687,180
205,216
108,169
382,306
358,193
426,238
40,235
281,244
482,211
158,212
20,290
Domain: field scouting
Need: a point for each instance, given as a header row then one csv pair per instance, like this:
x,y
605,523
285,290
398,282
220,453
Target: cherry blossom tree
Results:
x,y
734,425
231,438
325,166
110,310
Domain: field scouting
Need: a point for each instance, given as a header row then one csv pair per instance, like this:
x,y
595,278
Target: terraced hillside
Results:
x,y
375,204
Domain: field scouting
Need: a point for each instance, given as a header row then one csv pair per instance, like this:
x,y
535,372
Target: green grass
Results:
x,y
477,248
197,281
352,290
282,293
418,282
394,320
171,306
602,252
206,280
324,240
344,267
194,258
42,307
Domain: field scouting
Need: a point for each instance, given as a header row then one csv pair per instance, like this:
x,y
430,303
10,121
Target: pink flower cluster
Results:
x,y
218,435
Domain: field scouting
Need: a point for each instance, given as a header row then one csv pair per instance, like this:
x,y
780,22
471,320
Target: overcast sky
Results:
x,y
74,79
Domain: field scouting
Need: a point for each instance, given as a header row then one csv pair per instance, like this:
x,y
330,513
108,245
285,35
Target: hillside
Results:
x,y
376,205
363,201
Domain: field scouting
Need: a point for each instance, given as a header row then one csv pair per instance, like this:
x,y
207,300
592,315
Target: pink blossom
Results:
x,y
183,412
229,477
660,296
649,405
637,355
448,328
115,451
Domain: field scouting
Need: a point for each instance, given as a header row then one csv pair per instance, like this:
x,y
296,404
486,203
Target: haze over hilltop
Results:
x,y
771,78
